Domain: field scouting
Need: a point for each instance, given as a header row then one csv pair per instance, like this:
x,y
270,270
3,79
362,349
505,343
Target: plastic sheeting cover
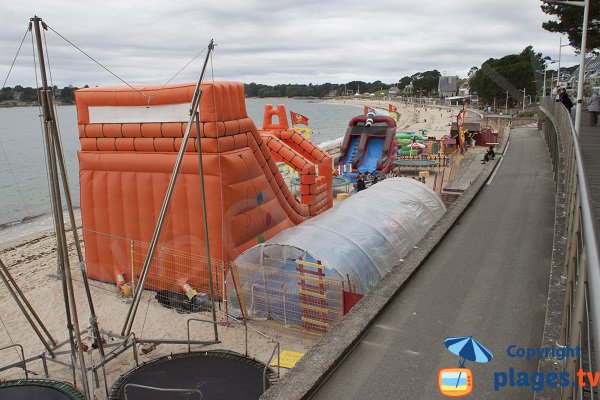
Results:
x,y
361,238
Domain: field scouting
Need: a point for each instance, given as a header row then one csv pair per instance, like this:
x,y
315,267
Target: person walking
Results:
x,y
564,98
593,106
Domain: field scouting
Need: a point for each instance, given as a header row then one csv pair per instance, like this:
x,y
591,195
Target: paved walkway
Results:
x,y
488,278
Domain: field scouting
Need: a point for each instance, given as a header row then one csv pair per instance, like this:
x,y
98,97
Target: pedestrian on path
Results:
x,y
564,98
593,106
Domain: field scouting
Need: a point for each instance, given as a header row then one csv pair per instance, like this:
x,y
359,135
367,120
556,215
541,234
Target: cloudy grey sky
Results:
x,y
276,41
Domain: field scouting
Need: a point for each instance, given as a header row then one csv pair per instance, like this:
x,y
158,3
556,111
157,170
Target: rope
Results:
x,y
150,97
12,342
184,67
12,173
16,55
98,63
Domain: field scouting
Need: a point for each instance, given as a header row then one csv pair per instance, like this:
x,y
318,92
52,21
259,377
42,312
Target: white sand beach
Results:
x,y
434,119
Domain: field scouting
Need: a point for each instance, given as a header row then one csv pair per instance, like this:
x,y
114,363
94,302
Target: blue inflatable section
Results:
x,y
373,153
352,150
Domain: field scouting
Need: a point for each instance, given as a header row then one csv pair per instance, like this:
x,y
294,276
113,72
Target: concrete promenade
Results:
x,y
488,278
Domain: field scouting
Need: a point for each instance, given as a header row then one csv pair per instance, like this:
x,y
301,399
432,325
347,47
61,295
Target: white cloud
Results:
x,y
273,42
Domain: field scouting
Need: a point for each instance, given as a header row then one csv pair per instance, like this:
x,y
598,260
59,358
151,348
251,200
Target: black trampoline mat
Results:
x,y
217,375
32,393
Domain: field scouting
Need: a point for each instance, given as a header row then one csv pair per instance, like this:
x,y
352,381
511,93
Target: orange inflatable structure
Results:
x,y
129,143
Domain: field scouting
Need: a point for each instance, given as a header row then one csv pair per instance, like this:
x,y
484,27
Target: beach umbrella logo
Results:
x,y
458,382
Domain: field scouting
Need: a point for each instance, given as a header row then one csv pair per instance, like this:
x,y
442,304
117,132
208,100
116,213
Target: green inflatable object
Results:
x,y
405,139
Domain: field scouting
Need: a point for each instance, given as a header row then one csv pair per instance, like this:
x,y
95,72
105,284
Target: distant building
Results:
x,y
448,86
592,74
408,88
459,100
393,91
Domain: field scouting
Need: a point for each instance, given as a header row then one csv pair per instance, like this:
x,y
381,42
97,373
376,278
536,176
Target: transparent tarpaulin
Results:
x,y
358,240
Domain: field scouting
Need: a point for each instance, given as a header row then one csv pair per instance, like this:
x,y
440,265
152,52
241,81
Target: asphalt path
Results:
x,y
488,279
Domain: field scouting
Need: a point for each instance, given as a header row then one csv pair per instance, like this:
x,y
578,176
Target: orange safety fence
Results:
x,y
170,269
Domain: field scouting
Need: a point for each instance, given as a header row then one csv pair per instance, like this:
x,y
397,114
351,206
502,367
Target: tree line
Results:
x,y
20,94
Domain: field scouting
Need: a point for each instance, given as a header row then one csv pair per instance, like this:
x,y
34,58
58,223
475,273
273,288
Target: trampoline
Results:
x,y
336,182
217,374
416,163
26,389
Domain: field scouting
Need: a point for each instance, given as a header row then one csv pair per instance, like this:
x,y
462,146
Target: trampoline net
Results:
x,y
217,374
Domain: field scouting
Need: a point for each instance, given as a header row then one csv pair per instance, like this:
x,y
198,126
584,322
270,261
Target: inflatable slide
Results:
x,y
130,137
369,144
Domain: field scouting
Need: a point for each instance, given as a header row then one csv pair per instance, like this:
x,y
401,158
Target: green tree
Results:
x,y
66,94
426,82
6,94
569,20
404,82
29,95
511,73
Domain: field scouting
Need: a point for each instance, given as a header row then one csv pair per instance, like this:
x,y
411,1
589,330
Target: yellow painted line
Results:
x,y
310,264
315,322
314,308
312,294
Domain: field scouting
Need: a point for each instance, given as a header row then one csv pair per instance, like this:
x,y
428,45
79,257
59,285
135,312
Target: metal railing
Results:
x,y
581,264
23,361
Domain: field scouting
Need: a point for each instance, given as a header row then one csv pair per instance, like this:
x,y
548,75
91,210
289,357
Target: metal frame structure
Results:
x,y
582,259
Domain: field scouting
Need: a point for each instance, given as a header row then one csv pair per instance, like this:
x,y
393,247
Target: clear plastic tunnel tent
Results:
x,y
358,240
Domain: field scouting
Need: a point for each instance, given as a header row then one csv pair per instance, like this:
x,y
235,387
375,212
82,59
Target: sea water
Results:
x,y
24,191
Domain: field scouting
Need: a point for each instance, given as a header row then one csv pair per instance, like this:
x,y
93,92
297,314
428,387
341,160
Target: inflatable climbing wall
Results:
x,y
129,143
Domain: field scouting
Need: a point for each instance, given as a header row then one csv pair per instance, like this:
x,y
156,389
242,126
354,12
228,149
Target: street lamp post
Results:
x,y
586,6
506,106
547,58
524,98
560,46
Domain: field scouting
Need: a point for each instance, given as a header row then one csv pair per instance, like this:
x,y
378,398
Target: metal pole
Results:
x,y
524,98
67,192
506,106
203,198
22,302
56,210
157,230
544,89
49,119
559,54
586,9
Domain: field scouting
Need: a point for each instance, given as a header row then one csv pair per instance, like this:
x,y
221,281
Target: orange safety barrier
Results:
x,y
129,143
